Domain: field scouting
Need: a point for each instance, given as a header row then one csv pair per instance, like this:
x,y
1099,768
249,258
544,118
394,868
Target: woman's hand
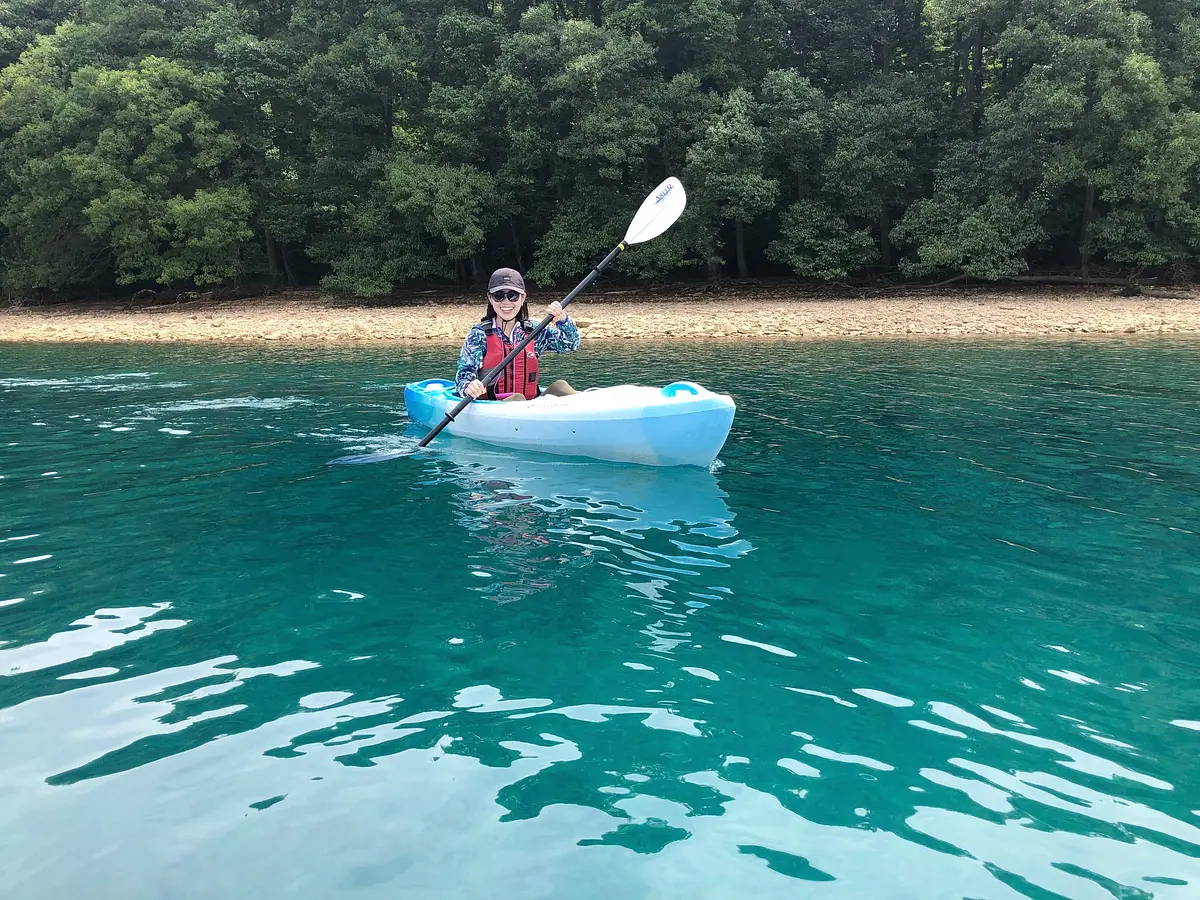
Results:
x,y
474,390
555,309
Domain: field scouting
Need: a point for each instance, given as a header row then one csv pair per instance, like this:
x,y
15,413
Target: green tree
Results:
x,y
815,238
727,166
21,21
372,142
125,165
881,138
816,242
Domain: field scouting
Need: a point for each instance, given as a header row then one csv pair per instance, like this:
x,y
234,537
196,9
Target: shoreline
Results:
x,y
309,319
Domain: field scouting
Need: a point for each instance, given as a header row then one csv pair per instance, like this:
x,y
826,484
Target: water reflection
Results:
x,y
620,498
537,517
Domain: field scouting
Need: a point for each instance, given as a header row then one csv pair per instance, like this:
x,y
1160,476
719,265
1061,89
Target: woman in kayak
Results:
x,y
504,324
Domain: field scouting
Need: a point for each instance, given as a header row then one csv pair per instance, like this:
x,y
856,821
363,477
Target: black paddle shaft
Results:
x,y
494,375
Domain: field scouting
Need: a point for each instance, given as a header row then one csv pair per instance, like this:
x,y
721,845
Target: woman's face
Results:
x,y
506,303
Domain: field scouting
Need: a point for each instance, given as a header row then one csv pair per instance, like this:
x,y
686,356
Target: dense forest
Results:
x,y
363,144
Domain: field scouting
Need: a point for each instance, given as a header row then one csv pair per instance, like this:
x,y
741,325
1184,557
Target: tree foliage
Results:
x,y
369,143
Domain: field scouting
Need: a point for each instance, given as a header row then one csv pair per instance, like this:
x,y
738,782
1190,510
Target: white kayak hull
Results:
x,y
682,424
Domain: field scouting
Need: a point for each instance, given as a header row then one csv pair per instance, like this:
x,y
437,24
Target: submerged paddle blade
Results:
x,y
363,459
658,212
382,453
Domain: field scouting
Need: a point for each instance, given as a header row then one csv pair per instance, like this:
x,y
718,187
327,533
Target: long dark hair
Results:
x,y
522,313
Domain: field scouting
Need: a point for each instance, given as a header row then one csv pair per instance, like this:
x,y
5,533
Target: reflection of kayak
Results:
x,y
538,518
620,499
681,424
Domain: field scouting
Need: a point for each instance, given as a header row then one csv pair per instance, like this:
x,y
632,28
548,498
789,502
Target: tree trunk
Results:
x,y
740,232
977,79
512,224
1066,279
273,260
908,34
882,51
474,269
287,265
957,59
597,13
714,262
885,241
1089,206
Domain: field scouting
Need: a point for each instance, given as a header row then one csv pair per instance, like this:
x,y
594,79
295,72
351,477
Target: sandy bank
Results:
x,y
311,319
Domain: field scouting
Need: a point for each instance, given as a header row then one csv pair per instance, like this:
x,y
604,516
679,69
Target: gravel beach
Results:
x,y
306,318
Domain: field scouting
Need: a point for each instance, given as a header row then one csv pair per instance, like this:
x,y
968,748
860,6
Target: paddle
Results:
x,y
657,213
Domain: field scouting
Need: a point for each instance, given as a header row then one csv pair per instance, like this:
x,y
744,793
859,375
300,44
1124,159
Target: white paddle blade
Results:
x,y
658,212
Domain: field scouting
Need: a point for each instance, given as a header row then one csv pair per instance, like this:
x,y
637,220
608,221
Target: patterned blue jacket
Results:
x,y
562,338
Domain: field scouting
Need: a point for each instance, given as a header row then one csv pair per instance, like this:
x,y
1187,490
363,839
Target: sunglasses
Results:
x,y
506,295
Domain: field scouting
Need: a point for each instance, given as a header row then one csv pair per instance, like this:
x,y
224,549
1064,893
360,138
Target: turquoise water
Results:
x,y
929,630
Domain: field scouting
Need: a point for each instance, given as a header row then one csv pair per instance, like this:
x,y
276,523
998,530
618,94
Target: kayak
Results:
x,y
682,424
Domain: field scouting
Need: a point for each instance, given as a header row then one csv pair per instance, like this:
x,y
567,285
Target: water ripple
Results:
x,y
928,632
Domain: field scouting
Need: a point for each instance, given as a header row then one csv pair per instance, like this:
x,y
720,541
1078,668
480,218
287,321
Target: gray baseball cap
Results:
x,y
506,278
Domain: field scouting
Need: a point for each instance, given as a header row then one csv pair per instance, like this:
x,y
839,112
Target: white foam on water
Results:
x,y
104,384
883,697
1068,675
852,758
105,629
102,672
811,693
939,729
798,768
323,699
266,403
82,381
770,648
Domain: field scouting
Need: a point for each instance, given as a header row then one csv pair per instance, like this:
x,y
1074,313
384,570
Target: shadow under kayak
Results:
x,y
682,424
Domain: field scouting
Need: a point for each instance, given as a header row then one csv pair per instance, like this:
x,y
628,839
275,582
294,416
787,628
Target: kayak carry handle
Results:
x,y
675,387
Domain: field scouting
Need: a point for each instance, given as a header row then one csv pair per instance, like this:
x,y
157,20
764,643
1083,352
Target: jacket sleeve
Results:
x,y
470,358
560,338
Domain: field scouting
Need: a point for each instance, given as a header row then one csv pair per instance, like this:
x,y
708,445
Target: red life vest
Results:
x,y
520,376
